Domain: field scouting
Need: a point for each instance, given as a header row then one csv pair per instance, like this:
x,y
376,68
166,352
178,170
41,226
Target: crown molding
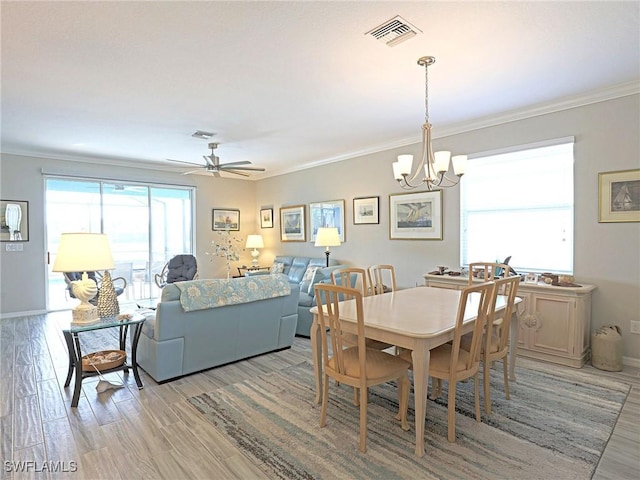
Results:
x,y
609,93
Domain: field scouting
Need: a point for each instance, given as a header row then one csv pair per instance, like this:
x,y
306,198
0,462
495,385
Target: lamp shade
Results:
x,y
327,237
83,252
254,241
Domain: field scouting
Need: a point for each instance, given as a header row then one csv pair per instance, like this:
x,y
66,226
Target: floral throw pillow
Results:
x,y
277,267
306,285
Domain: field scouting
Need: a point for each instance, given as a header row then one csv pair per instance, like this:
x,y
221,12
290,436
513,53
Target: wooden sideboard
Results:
x,y
554,323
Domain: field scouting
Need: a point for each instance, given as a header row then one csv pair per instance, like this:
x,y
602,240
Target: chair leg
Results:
x,y
487,388
476,382
325,395
438,388
363,420
403,391
505,370
451,408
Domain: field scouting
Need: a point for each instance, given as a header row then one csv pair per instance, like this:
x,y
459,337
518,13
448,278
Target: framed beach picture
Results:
x,y
415,216
226,220
292,224
14,221
619,196
329,213
366,210
266,218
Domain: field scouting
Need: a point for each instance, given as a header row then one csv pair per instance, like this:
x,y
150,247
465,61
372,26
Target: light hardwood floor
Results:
x,y
154,432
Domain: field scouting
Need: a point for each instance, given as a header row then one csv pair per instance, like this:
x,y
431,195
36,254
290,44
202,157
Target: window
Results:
x,y
146,226
519,203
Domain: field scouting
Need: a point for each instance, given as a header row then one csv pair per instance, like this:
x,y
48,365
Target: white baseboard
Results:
x,y
21,314
631,362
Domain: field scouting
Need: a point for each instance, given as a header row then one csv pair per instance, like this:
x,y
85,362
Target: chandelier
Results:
x,y
432,169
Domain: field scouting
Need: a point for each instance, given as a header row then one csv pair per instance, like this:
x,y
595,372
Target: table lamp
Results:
x,y
327,237
255,242
84,252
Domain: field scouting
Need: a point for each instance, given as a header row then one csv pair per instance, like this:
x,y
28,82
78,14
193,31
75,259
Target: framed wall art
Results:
x,y
14,221
366,210
415,216
619,196
327,214
292,224
226,220
266,218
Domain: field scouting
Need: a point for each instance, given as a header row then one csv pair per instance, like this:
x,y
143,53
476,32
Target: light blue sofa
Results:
x,y
294,268
176,342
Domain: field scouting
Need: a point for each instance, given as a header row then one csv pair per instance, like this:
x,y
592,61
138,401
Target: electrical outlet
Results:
x,y
635,326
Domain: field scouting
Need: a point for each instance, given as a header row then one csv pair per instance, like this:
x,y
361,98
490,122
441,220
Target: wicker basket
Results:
x,y
103,360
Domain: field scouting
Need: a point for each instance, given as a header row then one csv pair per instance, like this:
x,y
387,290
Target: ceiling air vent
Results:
x,y
202,134
394,31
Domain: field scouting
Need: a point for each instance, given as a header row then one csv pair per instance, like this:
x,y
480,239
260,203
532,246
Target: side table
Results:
x,y
71,336
249,269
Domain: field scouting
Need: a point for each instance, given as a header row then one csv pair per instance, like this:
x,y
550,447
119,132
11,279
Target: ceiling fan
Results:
x,y
213,165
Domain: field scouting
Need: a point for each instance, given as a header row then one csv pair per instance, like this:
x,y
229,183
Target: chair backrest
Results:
x,y
123,270
328,297
509,287
487,271
353,277
181,268
379,274
477,298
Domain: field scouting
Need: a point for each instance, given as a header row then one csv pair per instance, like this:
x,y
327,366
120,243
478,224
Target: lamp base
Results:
x,y
327,253
254,257
85,314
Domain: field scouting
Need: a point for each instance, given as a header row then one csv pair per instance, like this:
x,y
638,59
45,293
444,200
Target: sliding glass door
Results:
x,y
146,226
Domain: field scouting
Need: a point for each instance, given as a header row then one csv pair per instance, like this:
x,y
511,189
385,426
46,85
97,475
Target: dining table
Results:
x,y
418,319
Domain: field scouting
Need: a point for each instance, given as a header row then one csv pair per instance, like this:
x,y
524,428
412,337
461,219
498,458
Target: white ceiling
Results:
x,y
293,84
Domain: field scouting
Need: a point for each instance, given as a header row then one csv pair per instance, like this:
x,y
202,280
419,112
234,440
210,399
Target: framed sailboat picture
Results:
x,y
619,196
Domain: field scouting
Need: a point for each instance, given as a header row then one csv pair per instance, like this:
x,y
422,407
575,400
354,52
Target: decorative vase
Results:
x,y
107,298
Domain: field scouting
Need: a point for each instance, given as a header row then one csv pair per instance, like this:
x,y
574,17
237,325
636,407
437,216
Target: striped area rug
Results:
x,y
556,425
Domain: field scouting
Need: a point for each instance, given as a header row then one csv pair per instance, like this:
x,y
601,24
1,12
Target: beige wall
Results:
x,y
607,255
23,274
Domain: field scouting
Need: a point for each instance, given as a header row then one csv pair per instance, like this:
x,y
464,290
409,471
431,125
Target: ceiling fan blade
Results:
x,y
191,171
244,162
187,163
254,169
234,172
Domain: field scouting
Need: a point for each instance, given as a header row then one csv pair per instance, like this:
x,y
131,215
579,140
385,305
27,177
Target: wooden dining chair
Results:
x,y
379,274
487,271
356,365
346,276
353,277
495,343
358,277
450,362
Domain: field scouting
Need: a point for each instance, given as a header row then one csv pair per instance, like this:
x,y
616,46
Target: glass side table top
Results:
x,y
103,322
